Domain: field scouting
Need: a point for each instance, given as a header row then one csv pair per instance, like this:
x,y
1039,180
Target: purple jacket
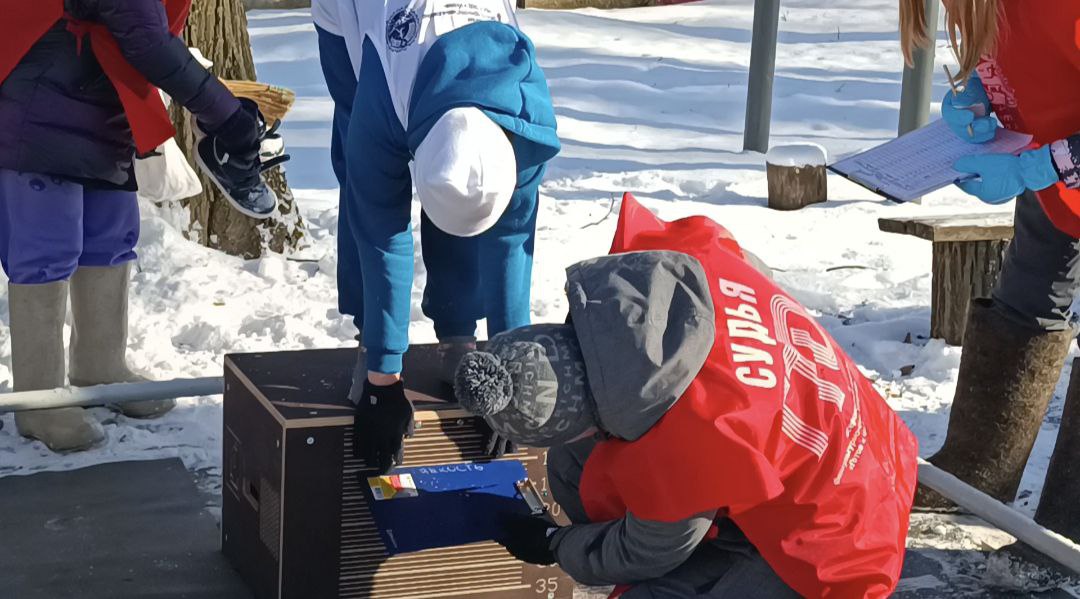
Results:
x,y
60,114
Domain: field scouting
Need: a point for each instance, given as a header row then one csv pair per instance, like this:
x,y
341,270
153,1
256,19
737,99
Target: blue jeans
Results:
x,y
49,227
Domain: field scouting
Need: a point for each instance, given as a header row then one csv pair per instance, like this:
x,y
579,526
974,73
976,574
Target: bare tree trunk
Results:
x,y
219,29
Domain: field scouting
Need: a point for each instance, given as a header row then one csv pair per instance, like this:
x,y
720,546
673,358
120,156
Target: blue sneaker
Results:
x,y
232,157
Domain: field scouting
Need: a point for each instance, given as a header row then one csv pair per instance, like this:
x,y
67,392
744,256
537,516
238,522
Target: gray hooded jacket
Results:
x,y
646,324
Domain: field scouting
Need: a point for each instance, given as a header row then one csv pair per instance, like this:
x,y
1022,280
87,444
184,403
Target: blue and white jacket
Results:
x,y
415,60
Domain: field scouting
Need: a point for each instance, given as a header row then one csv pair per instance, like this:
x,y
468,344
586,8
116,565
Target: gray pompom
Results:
x,y
482,386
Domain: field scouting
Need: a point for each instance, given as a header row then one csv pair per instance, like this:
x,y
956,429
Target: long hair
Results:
x,y
972,26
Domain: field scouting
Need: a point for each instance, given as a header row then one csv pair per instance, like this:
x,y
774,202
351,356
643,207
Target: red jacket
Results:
x,y
1033,81
779,430
25,22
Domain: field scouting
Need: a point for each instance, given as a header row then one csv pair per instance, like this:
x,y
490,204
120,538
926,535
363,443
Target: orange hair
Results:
x,y
972,26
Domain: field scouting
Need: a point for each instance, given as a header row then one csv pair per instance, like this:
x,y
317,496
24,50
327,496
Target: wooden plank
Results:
x,y
993,226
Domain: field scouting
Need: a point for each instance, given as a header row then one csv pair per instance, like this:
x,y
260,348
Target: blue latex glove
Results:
x,y
958,111
1002,177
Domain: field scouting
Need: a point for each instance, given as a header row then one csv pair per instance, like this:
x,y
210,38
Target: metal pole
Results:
x,y
759,91
110,394
1026,530
919,77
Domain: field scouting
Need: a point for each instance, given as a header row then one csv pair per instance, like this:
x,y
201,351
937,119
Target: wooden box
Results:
x,y
295,521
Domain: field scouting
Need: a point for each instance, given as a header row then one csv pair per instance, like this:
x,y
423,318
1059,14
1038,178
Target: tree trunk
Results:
x,y
219,29
962,271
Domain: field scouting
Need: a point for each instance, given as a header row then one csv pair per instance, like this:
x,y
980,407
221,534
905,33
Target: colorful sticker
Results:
x,y
395,486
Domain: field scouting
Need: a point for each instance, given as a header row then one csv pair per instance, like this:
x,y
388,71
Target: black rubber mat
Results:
x,y
128,529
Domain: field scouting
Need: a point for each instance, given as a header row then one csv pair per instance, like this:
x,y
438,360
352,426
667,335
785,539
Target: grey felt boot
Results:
x,y
99,309
1059,507
451,350
37,362
1007,377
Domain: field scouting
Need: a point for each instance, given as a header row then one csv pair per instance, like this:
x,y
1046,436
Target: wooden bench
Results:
x,y
968,250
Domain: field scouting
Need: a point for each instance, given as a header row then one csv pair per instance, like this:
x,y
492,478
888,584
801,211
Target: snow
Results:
x,y
797,155
650,101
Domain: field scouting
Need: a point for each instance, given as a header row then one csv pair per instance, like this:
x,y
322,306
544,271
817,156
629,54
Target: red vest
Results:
x,y
779,430
25,21
1033,81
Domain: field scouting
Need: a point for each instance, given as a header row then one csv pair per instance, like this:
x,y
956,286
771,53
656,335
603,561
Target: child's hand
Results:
x,y
1002,177
969,109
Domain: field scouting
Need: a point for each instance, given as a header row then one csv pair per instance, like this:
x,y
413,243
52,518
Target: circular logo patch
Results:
x,y
402,29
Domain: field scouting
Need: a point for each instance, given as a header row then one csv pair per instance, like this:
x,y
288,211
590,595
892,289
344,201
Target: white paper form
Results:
x,y
920,162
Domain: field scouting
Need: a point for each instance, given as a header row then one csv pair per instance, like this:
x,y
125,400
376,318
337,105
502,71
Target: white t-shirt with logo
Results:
x,y
402,31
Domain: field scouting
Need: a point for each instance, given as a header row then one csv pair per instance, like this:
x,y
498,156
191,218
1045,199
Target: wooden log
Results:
x,y
962,271
952,227
796,176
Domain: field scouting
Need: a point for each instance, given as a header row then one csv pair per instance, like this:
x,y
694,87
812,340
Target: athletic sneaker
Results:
x,y
232,157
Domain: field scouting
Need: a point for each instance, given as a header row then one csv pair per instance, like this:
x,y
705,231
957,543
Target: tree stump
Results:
x,y
962,271
967,254
796,175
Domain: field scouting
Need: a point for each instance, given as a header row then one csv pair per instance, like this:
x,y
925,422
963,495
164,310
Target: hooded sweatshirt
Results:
x,y
655,321
418,59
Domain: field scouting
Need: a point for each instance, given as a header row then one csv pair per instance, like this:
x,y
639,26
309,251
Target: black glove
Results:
x,y
384,416
495,445
529,538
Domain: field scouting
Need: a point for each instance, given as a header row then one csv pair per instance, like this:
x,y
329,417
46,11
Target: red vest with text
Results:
x,y
24,22
1033,81
779,431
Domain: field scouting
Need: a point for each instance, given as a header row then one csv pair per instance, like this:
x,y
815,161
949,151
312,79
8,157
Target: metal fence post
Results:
x,y
919,77
762,66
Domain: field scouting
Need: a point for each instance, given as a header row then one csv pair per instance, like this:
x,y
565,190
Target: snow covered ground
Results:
x,y
649,101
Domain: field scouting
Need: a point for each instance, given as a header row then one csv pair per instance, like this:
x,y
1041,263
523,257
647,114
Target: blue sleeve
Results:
x,y
141,29
380,186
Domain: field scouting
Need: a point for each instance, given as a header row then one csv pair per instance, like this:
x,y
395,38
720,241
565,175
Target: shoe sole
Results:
x,y
228,197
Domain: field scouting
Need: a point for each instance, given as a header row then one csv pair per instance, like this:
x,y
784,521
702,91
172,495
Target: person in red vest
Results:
x,y
79,98
708,438
1022,66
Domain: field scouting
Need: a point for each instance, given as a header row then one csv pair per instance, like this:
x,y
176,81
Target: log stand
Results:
x,y
967,255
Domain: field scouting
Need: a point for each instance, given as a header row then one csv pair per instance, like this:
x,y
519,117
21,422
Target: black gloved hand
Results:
x,y
494,444
529,538
384,416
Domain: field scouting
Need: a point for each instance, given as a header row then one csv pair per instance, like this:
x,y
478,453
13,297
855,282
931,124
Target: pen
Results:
x,y
956,92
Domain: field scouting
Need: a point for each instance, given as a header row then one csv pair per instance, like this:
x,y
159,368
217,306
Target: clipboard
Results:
x,y
920,162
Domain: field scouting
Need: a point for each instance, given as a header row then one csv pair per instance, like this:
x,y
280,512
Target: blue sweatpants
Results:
x,y
50,227
341,83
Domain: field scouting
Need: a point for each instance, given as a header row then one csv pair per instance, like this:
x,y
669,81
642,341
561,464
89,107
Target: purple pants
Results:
x,y
49,227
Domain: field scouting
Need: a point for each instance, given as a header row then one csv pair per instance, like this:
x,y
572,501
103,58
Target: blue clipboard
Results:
x,y
429,507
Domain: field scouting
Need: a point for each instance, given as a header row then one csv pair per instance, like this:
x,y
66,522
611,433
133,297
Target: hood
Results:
x,y
491,66
645,322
